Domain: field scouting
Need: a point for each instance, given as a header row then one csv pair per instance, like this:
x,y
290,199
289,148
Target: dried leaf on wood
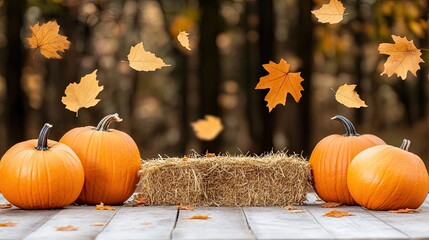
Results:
x,y
67,228
8,224
405,210
185,207
140,199
331,205
347,96
101,206
98,224
289,208
198,216
337,214
332,12
5,205
46,38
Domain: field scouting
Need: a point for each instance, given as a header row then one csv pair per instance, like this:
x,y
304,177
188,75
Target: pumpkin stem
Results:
x,y
42,141
348,125
104,124
405,144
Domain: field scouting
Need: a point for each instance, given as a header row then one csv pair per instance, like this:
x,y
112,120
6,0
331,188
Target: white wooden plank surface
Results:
x,y
224,223
81,217
141,223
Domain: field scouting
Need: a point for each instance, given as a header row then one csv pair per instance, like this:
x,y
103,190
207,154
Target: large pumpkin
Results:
x,y
386,178
41,174
330,160
111,161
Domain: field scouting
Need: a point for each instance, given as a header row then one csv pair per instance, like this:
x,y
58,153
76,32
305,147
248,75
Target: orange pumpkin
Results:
x,y
388,178
330,160
41,174
111,161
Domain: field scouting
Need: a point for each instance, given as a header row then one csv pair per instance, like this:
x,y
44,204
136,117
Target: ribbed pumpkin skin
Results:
x,y
388,178
111,161
330,160
34,179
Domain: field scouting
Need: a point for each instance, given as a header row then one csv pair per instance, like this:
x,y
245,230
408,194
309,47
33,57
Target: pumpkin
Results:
x,y
388,178
41,173
111,161
331,157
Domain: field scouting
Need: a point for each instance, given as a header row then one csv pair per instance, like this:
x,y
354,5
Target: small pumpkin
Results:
x,y
331,157
111,161
41,173
388,178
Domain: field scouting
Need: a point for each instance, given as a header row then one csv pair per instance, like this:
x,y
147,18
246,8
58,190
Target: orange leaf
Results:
x,y
146,223
139,199
83,94
337,214
403,57
101,206
333,12
98,224
405,210
207,129
289,208
142,60
183,39
280,82
7,224
209,155
66,228
5,205
330,205
46,38
347,96
185,207
185,158
198,216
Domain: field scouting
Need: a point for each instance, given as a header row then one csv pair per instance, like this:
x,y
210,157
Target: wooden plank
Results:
x,y
224,223
81,217
414,225
26,221
141,223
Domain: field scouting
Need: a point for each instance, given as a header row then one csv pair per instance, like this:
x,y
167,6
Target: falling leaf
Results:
x,y
83,94
98,224
7,224
207,129
337,214
183,39
140,199
101,206
210,155
5,205
347,96
330,205
289,208
67,228
333,12
280,82
405,210
198,216
141,60
46,38
185,207
403,57
297,211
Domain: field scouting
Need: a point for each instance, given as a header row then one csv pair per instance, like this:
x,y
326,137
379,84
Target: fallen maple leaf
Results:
x,y
405,210
330,205
140,199
142,60
5,205
83,94
7,224
98,224
332,12
337,214
289,208
198,216
183,39
403,57
185,207
280,82
207,129
46,38
347,96
101,206
66,228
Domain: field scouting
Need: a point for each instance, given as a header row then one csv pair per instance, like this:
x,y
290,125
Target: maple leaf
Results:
x,y
140,199
102,207
142,60
199,216
337,214
185,207
280,82
5,205
183,39
403,57
98,224
46,38
289,208
332,12
331,205
7,224
66,228
347,96
207,129
405,210
83,94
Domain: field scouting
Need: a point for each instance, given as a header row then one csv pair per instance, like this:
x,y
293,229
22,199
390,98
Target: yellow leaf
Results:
x,y
290,208
141,60
333,12
7,224
199,216
280,82
330,205
83,94
66,228
5,205
297,211
405,210
208,128
101,206
403,57
46,38
337,214
347,96
183,39
98,224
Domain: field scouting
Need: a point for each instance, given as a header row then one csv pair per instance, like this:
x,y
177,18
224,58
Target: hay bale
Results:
x,y
270,180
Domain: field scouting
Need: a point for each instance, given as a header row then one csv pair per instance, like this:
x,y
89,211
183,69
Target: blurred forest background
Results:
x,y
230,40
